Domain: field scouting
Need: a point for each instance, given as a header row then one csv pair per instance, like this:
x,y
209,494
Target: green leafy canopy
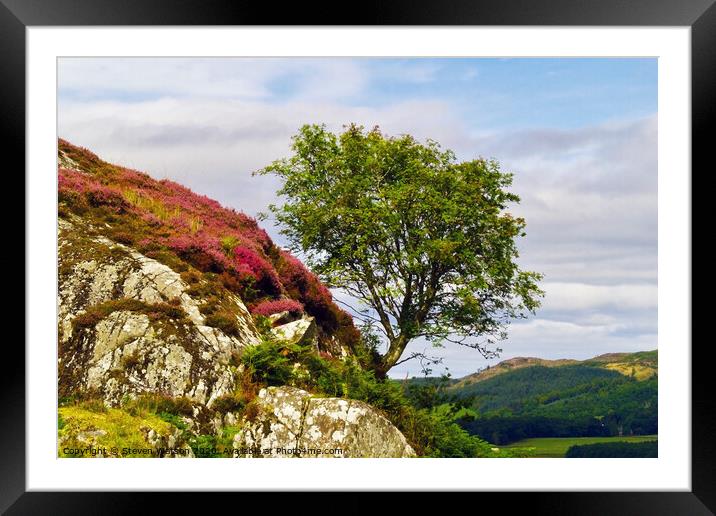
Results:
x,y
424,240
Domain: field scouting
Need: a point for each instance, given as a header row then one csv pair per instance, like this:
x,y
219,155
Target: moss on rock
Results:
x,y
116,433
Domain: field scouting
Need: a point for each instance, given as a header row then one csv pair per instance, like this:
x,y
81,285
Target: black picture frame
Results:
x,y
700,15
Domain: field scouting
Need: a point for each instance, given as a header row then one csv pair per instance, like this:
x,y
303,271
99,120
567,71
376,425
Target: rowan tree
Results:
x,y
424,241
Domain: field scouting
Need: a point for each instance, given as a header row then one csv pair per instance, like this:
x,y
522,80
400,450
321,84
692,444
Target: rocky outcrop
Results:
x,y
152,333
303,332
131,325
293,423
128,325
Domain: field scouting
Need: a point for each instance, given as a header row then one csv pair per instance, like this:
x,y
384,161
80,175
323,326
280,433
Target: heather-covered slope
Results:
x,y
184,331
159,355
192,234
129,324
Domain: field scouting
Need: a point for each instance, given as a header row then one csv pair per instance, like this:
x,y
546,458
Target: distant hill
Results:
x,y
611,394
643,363
509,365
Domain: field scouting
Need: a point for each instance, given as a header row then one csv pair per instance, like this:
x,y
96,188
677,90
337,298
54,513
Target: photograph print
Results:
x,y
357,257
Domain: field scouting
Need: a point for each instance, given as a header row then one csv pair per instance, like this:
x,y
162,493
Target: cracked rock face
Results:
x,y
293,423
128,352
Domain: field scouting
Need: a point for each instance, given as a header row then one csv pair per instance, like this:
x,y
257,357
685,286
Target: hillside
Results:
x,y
643,363
184,331
607,395
192,234
508,365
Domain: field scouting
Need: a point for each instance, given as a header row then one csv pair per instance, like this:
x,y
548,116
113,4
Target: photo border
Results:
x,y
700,15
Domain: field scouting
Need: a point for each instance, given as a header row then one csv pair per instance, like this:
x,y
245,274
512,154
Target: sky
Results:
x,y
579,135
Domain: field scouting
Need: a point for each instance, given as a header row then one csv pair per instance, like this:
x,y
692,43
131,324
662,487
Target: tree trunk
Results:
x,y
395,351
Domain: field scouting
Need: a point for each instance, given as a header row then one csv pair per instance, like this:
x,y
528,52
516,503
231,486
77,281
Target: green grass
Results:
x,y
109,428
558,446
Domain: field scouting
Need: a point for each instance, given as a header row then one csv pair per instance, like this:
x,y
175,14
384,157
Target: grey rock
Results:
x,y
293,423
303,332
64,161
128,352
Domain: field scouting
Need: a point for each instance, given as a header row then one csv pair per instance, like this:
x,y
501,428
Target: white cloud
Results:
x,y
213,145
225,78
583,297
412,71
165,77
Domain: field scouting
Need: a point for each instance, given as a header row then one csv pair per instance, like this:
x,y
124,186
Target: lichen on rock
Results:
x,y
127,352
293,423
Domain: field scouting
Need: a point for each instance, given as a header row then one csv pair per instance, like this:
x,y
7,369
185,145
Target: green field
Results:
x,y
558,446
